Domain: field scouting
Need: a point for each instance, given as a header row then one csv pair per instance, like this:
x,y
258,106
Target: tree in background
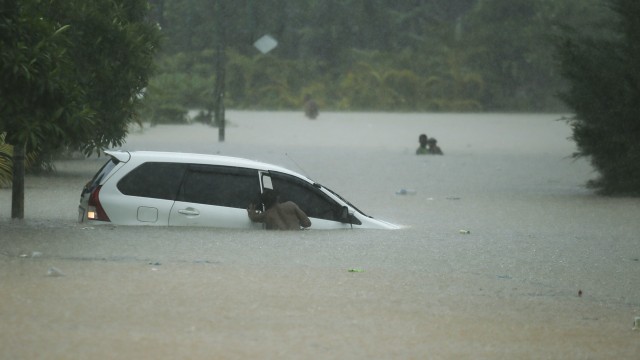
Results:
x,y
436,55
604,91
325,48
112,49
510,44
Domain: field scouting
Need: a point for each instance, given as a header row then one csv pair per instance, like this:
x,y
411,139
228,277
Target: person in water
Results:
x,y
433,148
277,215
422,149
310,107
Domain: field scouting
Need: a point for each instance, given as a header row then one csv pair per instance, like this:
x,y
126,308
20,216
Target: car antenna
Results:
x,y
298,165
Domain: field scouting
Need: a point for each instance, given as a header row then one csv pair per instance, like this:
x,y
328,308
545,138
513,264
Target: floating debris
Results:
x,y
452,198
406,192
466,232
202,261
636,323
54,272
356,270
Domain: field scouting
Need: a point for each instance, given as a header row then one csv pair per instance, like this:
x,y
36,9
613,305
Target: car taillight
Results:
x,y
95,210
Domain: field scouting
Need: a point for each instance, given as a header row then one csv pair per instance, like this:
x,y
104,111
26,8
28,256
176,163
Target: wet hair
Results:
x,y
432,141
269,198
422,138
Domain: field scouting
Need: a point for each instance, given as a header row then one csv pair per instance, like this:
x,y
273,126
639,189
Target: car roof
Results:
x,y
193,158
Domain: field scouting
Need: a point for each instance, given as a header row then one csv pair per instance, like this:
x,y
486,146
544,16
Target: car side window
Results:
x,y
309,198
220,186
153,180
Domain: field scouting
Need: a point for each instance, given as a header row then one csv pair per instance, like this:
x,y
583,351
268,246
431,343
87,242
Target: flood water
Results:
x,y
548,270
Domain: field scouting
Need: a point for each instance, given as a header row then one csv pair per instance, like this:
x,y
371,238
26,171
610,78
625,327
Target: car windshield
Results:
x,y
343,199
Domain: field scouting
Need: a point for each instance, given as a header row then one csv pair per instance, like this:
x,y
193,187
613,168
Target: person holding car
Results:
x,y
277,215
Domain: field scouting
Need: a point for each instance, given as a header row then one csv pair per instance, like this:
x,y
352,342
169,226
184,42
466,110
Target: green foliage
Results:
x,y
164,99
71,71
112,49
6,154
437,55
269,82
604,73
39,100
365,85
267,85
6,161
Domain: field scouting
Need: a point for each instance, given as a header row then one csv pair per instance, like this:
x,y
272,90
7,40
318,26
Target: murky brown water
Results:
x,y
509,289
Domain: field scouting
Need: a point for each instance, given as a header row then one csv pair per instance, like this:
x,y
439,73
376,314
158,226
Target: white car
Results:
x,y
180,189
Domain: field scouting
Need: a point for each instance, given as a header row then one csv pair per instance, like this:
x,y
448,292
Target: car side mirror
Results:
x,y
344,214
348,217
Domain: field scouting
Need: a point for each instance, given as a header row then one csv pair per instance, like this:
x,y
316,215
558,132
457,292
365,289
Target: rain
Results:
x,y
503,252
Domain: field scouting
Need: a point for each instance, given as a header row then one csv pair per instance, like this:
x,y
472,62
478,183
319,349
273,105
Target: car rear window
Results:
x,y
104,170
220,186
153,180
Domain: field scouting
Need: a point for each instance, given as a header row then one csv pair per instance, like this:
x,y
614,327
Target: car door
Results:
x,y
217,196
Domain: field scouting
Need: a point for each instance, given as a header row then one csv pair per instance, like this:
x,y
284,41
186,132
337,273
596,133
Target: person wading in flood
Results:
x,y
434,149
310,107
277,215
422,149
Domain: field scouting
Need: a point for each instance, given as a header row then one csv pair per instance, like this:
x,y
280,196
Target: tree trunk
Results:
x,y
17,195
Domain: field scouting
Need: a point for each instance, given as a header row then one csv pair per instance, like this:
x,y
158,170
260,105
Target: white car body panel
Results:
x,y
133,210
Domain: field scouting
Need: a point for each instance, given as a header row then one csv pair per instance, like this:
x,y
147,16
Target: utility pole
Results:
x,y
219,89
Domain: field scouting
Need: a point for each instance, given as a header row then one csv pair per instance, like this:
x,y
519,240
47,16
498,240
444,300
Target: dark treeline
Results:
x,y
603,91
387,55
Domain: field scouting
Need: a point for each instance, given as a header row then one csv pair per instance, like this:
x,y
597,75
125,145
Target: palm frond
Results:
x,y
6,162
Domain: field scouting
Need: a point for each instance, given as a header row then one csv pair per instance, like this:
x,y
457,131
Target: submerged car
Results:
x,y
181,189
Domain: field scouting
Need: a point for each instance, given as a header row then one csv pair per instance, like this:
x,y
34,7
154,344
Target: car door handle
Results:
x,y
189,212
